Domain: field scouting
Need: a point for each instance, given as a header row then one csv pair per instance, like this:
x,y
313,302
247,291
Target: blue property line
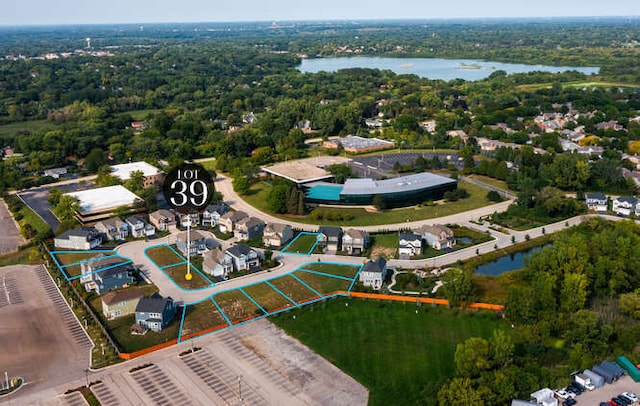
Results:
x,y
279,291
94,260
307,286
254,302
355,278
221,312
171,265
284,250
106,268
326,274
184,313
171,279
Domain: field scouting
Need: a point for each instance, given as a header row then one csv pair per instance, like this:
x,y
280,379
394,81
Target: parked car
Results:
x,y
564,394
569,402
631,396
619,401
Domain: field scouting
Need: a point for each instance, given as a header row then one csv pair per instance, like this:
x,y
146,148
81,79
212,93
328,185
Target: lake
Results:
x,y
507,263
432,68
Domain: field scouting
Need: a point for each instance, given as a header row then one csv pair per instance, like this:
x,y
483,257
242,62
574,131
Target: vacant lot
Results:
x,y
346,271
323,284
177,274
402,353
163,256
267,297
237,306
303,244
293,289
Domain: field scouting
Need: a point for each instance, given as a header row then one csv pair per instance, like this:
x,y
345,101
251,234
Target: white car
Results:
x,y
564,394
631,396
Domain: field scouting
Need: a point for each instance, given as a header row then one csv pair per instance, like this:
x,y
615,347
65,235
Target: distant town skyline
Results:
x,y
44,12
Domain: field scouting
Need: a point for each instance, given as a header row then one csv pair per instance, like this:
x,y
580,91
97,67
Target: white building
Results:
x,y
101,203
374,273
152,175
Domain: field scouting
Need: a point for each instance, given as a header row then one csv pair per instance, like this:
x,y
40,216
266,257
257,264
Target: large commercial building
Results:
x,y
99,204
358,145
396,192
152,175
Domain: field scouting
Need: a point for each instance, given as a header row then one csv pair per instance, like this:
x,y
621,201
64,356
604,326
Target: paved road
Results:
x,y
10,238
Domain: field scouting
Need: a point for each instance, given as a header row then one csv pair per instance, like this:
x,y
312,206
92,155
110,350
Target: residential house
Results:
x,y
458,134
104,273
84,238
330,238
229,220
139,227
155,312
113,228
438,236
248,228
243,257
217,263
596,202
409,245
276,234
624,205
120,303
163,219
191,219
374,273
211,215
197,242
55,173
355,241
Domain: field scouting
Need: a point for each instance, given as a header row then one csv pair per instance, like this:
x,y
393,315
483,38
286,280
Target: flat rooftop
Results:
x,y
104,198
408,183
356,142
123,171
305,170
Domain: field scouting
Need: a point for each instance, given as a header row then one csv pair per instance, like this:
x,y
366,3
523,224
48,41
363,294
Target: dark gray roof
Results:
x,y
410,236
408,183
239,249
596,195
220,208
627,199
79,232
375,266
330,231
152,304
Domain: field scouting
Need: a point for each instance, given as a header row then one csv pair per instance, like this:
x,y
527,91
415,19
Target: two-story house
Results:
x,y
276,235
197,242
163,219
624,205
155,312
217,263
596,202
120,303
139,227
211,215
330,238
113,229
438,236
374,273
190,220
229,220
355,241
410,244
85,238
243,257
104,273
248,228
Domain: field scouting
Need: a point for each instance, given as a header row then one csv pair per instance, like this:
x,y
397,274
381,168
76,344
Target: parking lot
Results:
x,y
378,166
10,238
606,392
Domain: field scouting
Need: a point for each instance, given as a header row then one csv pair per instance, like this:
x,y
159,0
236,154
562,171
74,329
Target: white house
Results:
x,y
410,244
596,202
84,238
113,228
243,257
624,205
211,215
217,263
355,241
139,227
276,234
374,273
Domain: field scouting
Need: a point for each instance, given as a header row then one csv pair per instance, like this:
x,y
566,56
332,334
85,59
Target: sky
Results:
x,y
47,12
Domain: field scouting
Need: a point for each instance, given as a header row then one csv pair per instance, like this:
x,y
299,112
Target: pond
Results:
x,y
432,68
511,262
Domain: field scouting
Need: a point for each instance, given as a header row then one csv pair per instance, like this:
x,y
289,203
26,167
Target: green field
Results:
x,y
302,244
200,317
293,289
9,130
142,114
259,192
178,272
323,284
267,297
164,256
401,356
348,271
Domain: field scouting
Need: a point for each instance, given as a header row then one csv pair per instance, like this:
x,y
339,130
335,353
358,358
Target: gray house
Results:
x,y
139,227
243,257
276,234
197,242
355,241
374,273
330,238
211,215
597,202
163,219
84,238
248,228
104,274
410,244
217,263
113,228
155,312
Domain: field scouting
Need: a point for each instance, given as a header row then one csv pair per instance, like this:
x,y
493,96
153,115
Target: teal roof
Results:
x,y
325,192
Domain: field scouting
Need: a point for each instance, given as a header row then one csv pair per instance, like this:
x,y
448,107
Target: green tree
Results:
x,y
458,286
630,303
54,196
574,292
502,349
67,207
277,199
135,183
463,392
104,177
96,158
240,182
472,357
379,202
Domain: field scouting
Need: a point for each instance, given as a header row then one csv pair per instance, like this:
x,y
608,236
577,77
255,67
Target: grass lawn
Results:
x,y
142,114
201,316
303,244
164,256
267,297
178,272
237,306
29,256
293,289
411,283
400,356
72,258
30,217
496,183
259,193
323,284
9,130
349,271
